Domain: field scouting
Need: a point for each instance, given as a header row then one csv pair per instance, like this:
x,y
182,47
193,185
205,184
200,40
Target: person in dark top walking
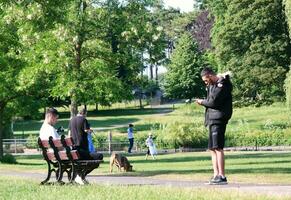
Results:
x,y
78,130
218,112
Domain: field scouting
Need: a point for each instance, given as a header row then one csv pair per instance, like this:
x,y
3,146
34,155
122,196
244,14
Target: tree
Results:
x,y
287,4
183,77
250,38
200,28
17,97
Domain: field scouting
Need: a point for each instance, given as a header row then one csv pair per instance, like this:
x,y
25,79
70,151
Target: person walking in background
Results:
x,y
151,147
130,137
218,106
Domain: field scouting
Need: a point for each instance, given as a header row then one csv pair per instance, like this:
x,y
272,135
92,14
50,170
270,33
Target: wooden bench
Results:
x,y
61,157
79,167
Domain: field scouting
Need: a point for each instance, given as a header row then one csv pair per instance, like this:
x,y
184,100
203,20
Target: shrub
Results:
x,y
32,142
9,159
99,139
176,134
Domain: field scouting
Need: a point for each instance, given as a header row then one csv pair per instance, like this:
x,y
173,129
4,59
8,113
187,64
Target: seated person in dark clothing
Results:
x,y
78,129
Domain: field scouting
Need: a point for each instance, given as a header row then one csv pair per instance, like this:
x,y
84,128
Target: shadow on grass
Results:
x,y
249,167
139,127
146,173
173,160
31,157
31,164
258,155
127,112
122,112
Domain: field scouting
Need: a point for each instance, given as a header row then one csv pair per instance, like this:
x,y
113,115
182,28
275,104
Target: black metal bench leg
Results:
x,y
49,173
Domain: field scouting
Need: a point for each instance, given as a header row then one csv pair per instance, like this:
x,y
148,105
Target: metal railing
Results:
x,y
18,146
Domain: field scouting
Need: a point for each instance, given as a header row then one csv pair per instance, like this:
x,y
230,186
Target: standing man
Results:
x,y
47,129
218,106
130,137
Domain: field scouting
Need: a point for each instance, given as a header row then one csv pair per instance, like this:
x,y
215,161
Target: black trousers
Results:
x,y
131,140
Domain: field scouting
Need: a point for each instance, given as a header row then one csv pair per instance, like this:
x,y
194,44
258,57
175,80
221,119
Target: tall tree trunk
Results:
x,y
151,72
140,100
85,106
157,77
1,133
74,106
96,108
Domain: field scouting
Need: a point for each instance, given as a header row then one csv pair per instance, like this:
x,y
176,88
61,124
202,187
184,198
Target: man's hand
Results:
x,y
198,101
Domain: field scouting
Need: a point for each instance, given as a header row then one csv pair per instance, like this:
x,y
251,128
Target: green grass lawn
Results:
x,y
20,189
242,167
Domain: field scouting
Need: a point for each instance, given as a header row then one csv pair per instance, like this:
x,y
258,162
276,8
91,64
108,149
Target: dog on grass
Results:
x,y
120,161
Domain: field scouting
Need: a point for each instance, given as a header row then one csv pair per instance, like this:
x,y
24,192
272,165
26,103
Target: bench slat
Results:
x,y
63,155
45,144
51,156
57,143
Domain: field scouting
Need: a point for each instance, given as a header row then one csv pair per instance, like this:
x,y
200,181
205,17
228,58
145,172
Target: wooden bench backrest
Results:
x,y
59,150
69,144
45,147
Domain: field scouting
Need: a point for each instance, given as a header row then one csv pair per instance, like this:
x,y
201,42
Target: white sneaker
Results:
x,y
79,180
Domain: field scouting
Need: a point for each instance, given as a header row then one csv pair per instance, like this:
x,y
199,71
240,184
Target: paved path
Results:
x,y
267,189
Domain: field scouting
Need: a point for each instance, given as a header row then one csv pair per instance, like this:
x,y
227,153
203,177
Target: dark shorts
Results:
x,y
216,136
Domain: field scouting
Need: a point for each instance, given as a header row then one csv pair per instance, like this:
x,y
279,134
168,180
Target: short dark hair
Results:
x,y
207,71
52,111
83,111
130,125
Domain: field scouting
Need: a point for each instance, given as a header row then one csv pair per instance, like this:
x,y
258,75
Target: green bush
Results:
x,y
177,134
258,137
32,142
9,159
98,139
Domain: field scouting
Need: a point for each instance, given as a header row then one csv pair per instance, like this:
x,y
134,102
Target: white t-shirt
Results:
x,y
47,130
130,133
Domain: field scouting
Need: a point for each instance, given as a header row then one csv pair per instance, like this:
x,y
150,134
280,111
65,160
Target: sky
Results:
x,y
184,5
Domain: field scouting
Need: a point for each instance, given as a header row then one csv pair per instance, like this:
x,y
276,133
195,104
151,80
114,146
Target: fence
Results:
x,y
19,146
30,146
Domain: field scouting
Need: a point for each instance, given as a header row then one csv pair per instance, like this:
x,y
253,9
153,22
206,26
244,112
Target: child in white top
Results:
x,y
151,147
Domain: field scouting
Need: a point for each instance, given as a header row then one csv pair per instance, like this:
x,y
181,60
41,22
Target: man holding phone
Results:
x,y
218,106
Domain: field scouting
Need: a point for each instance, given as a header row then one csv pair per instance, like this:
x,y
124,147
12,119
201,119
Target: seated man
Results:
x,y
47,129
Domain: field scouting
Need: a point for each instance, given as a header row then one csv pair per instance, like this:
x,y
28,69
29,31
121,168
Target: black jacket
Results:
x,y
219,102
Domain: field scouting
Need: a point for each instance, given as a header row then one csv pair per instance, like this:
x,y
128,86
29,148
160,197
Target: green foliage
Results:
x,y
251,39
32,144
178,134
183,77
287,4
9,159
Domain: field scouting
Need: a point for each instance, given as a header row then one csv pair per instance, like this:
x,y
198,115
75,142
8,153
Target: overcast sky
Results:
x,y
184,5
